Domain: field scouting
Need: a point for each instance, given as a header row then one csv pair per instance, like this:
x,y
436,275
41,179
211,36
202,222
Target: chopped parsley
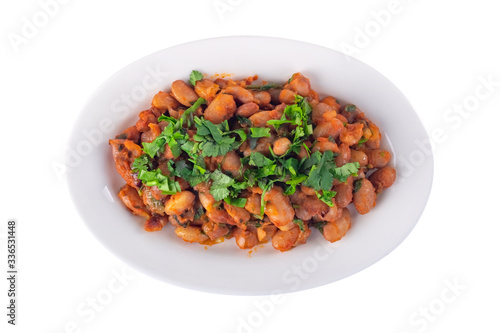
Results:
x,y
195,76
343,172
350,108
266,86
317,171
362,140
300,223
320,225
215,140
357,185
244,121
156,178
142,162
321,175
237,202
220,184
327,197
260,132
258,160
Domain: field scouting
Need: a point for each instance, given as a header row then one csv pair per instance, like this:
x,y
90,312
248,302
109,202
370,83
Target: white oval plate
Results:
x,y
224,268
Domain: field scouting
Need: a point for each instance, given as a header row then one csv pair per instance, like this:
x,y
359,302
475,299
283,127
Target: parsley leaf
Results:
x,y
258,160
320,177
266,187
171,120
156,178
327,197
357,185
244,121
214,139
293,182
362,140
142,162
320,225
169,136
195,76
173,135
343,172
260,132
350,108
266,86
237,202
199,102
290,165
220,184
307,163
300,223
297,115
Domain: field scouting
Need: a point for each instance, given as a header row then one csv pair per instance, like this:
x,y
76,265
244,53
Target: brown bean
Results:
x,y
341,118
261,118
284,240
275,95
324,144
247,110
280,146
262,98
164,101
214,230
206,89
266,232
360,157
287,96
278,208
351,134
331,215
334,231
344,193
351,116
344,156
318,111
253,204
246,239
231,163
378,158
222,108
300,85
146,117
183,93
383,178
364,196
133,201
332,101
153,133
239,214
155,223
239,93
191,234
179,203
303,235
308,190
303,153
328,129
313,98
262,147
222,83
374,141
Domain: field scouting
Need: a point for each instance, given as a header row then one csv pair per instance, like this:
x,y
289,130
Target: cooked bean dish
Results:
x,y
222,158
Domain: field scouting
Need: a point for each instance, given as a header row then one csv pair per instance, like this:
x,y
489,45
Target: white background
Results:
x,y
435,52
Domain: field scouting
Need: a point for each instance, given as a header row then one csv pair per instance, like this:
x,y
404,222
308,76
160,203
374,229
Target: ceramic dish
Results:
x,y
94,182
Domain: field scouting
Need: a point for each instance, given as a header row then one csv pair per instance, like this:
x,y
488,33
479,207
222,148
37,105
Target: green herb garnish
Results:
x,y
195,76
